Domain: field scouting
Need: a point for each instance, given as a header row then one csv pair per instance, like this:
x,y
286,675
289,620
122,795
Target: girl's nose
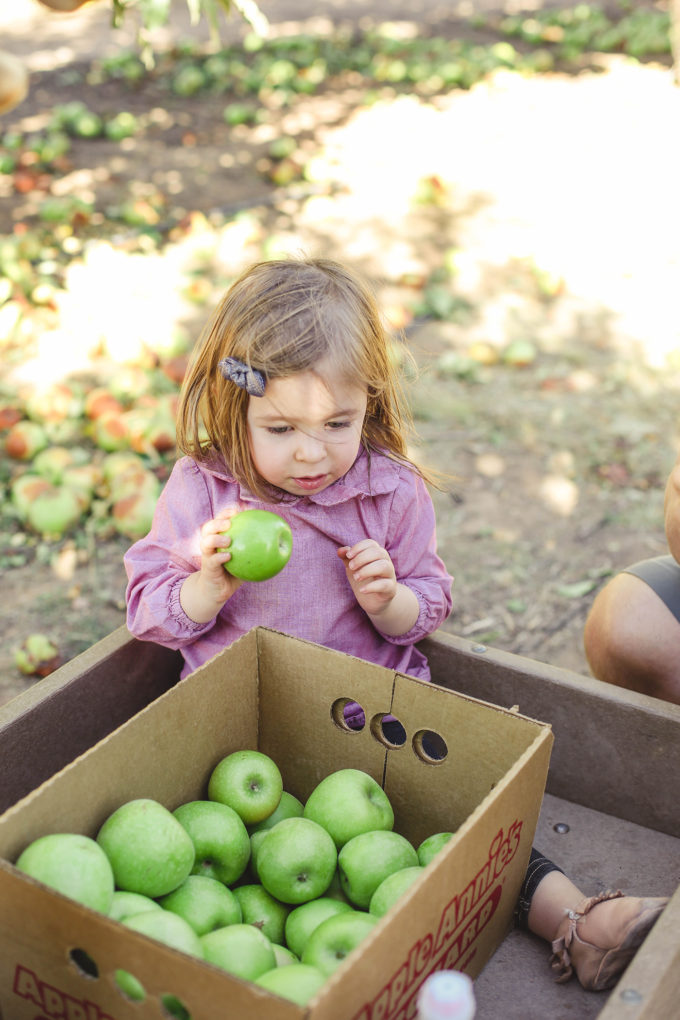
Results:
x,y
310,449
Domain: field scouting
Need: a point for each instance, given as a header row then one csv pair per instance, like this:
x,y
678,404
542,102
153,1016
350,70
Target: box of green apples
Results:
x,y
237,849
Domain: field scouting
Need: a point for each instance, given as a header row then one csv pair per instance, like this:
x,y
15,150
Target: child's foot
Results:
x,y
599,939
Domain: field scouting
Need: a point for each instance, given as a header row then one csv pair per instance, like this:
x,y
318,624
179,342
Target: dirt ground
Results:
x,y
547,393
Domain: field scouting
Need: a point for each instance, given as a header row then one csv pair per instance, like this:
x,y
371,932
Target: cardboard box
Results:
x,y
275,693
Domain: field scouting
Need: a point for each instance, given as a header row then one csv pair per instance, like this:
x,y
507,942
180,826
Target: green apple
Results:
x,y
302,921
74,865
127,904
150,852
288,807
335,938
165,927
392,888
204,903
299,982
241,949
255,843
366,860
335,890
284,955
431,846
220,839
348,802
261,909
168,928
249,782
260,544
296,860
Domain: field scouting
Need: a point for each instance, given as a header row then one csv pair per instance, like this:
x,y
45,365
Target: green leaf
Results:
x,y
577,589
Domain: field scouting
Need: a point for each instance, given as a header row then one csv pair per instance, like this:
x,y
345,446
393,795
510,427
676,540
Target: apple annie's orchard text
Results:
x,y
55,1005
462,920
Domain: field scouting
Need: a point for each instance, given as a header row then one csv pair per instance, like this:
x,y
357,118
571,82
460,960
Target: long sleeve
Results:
x,y
413,548
158,564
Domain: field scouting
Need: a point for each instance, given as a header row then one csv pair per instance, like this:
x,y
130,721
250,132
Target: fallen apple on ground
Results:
x,y
260,545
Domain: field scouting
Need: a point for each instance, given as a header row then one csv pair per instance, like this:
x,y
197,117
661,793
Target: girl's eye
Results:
x,y
339,424
278,430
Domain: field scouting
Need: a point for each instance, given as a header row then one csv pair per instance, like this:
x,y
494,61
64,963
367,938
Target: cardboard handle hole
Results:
x,y
83,963
130,987
173,1007
430,747
388,730
348,715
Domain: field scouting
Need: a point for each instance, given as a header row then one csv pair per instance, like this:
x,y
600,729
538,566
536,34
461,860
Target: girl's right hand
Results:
x,y
206,590
215,553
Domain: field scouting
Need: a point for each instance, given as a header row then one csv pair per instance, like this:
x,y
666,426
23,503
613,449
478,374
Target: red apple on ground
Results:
x,y
260,544
348,802
249,782
25,439
37,656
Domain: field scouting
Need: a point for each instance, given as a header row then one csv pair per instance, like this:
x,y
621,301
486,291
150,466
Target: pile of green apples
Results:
x,y
251,879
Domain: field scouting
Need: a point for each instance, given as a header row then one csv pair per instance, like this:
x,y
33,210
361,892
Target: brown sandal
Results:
x,y
599,967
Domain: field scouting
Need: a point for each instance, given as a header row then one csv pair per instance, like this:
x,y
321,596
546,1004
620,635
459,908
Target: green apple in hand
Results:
x,y
249,782
288,807
220,839
241,949
348,802
302,921
74,865
366,860
335,938
260,545
204,903
392,888
431,846
150,852
296,860
297,982
261,909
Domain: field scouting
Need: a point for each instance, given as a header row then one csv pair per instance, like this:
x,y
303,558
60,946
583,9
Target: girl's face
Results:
x,y
303,436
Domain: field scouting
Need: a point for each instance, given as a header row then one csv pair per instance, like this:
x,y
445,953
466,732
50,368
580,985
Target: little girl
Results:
x,y
292,403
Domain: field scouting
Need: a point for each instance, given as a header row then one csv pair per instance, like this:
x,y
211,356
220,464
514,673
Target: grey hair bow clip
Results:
x,y
249,379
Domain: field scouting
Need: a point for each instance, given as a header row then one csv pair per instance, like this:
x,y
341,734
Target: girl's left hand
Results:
x,y
371,575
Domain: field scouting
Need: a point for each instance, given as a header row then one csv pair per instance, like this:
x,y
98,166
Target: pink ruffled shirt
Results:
x,y
310,598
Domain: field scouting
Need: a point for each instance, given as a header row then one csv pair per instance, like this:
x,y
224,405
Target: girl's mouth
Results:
x,y
310,482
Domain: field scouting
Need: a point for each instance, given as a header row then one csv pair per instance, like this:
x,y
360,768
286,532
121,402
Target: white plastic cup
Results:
x,y
446,995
